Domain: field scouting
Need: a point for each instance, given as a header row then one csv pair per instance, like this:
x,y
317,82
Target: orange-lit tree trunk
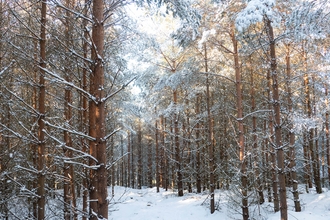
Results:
x,y
210,136
277,122
140,164
327,141
308,133
239,107
68,185
292,149
271,148
157,160
177,145
129,155
164,160
84,120
198,146
149,154
314,148
34,146
97,126
256,161
41,117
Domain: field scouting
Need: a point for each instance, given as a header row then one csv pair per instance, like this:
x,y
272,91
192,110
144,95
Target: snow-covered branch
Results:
x,y
15,133
70,131
252,113
62,144
82,164
59,79
214,74
109,135
116,161
5,69
118,90
23,101
78,15
254,12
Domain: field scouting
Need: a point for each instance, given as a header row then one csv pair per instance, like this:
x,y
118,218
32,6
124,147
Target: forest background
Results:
x,y
191,95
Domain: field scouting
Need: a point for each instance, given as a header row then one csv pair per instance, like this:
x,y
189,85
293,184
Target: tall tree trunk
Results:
x,y
149,163
34,146
164,159
41,123
315,149
129,156
177,146
323,157
157,159
271,149
140,163
256,161
210,138
68,185
266,153
97,125
132,163
198,146
308,135
327,140
239,106
292,164
84,121
122,162
277,116
112,169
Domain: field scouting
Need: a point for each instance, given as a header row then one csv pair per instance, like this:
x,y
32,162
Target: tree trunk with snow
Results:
x,y
292,150
239,107
277,122
41,124
97,126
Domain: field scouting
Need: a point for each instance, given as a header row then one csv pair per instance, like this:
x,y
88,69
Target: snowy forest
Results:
x,y
194,97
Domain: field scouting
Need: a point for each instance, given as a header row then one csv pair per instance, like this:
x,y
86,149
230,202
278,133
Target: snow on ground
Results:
x,y
147,204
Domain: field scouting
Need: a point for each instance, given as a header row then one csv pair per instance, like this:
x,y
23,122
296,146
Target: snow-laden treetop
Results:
x,y
254,12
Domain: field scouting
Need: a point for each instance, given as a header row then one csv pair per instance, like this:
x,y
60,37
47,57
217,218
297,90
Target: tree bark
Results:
x,y
314,148
129,155
41,123
68,185
177,146
277,116
327,140
164,159
157,159
256,161
307,134
140,164
239,106
271,148
292,150
210,136
150,163
198,146
84,121
97,126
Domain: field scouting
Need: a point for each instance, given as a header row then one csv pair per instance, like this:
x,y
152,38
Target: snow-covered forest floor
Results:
x,y
147,204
